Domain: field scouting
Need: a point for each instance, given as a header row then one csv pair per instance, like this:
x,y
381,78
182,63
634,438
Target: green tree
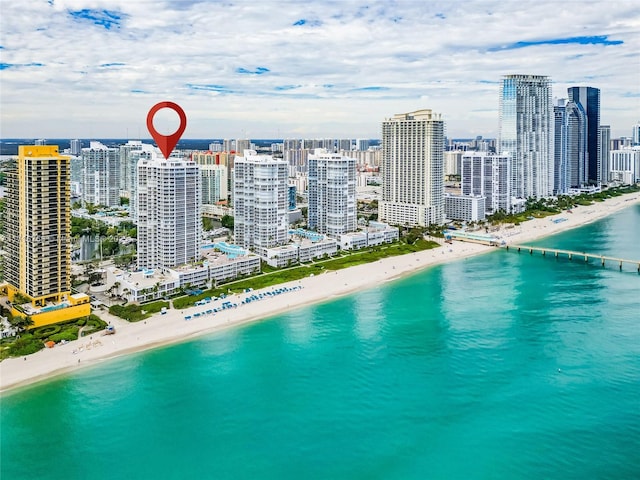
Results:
x,y
110,247
207,224
227,221
91,208
21,323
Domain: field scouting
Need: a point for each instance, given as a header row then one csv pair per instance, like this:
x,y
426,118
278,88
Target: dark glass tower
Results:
x,y
589,99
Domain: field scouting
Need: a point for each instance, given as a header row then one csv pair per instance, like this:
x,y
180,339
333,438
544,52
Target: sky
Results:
x,y
292,69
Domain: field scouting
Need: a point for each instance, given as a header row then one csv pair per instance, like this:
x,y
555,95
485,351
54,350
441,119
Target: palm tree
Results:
x,y
22,324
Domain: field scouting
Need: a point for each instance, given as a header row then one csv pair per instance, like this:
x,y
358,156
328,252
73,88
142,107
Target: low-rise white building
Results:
x,y
282,256
308,250
220,262
376,233
305,245
353,240
469,208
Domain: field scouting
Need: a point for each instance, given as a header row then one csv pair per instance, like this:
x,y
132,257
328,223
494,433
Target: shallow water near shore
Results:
x,y
500,366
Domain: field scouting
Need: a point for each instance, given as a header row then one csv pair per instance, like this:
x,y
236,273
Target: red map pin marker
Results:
x,y
166,143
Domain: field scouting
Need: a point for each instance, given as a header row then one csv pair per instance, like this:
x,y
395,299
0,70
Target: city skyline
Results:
x,y
292,69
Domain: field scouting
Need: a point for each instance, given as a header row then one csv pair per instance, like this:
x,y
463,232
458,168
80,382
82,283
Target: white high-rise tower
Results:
x,y
332,193
260,192
100,175
413,169
167,212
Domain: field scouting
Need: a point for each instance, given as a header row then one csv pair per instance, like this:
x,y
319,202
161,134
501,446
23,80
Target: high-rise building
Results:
x,y
413,169
242,145
38,225
362,144
489,176
228,145
292,144
100,175
146,151
75,147
168,212
560,170
570,147
260,192
128,165
605,148
588,100
292,196
38,238
526,132
332,193
452,162
635,134
214,183
344,144
211,158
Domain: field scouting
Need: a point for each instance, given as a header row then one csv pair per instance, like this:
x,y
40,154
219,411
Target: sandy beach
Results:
x,y
172,327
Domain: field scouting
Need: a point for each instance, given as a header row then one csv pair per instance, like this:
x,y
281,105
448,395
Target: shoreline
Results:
x,y
172,328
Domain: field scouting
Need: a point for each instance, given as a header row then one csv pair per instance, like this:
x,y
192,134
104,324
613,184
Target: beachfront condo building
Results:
x,y
413,169
605,147
38,237
332,193
588,101
571,163
167,212
488,176
526,133
260,192
100,175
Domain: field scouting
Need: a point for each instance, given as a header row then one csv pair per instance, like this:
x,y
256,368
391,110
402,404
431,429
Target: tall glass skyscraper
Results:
x,y
588,98
526,132
570,146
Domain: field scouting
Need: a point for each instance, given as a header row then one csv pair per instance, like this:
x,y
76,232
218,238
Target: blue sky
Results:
x,y
267,69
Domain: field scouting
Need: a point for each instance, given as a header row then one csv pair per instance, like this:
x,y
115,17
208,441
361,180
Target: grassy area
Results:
x,y
275,277
34,340
135,313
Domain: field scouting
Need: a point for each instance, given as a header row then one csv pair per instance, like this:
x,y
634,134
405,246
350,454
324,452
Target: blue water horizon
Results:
x,y
499,366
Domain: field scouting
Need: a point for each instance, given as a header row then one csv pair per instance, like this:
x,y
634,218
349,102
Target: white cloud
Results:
x,y
80,68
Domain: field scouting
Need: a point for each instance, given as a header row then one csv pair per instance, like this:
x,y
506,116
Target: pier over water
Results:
x,y
571,255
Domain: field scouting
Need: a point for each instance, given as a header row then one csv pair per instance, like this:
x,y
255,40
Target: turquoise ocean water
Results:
x,y
500,366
